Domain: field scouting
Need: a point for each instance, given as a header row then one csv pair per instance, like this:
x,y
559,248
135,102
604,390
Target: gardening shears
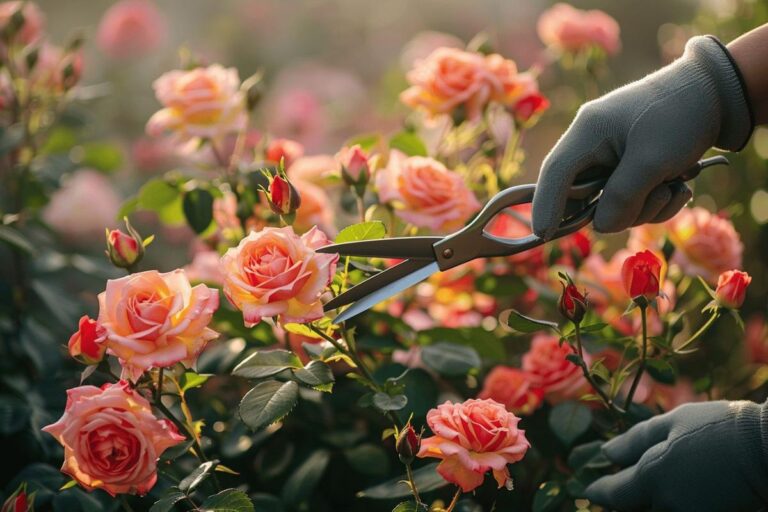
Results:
x,y
424,255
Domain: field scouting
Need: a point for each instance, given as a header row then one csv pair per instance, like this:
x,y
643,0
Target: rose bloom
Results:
x,y
131,28
111,439
568,29
549,370
315,208
423,44
512,388
425,193
642,275
732,288
756,339
56,70
204,102
34,20
274,272
84,205
149,154
283,149
155,320
205,268
449,78
472,438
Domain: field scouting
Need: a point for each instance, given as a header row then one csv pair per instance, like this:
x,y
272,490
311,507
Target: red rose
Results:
x,y
731,288
572,303
86,344
529,106
641,275
284,199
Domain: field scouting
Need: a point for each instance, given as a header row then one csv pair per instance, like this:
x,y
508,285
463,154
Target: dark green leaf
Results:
x,y
368,459
198,209
486,343
301,484
264,502
266,363
450,359
569,420
268,402
14,414
661,371
409,143
166,503
548,497
525,324
427,479
196,477
385,402
16,240
372,230
228,500
317,375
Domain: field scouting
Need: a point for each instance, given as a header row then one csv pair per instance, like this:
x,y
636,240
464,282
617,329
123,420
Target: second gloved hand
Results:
x,y
645,134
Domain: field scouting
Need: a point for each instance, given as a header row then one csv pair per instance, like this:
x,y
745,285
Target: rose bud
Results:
x,y
732,288
19,501
284,199
354,167
86,344
641,275
407,444
123,250
572,303
530,106
283,150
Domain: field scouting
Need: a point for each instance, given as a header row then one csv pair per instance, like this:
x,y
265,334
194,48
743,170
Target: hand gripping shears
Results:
x,y
424,255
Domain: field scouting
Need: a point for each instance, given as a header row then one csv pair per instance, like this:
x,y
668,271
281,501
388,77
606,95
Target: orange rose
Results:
x,y
155,320
513,388
549,369
425,193
204,102
111,439
274,272
732,288
472,438
568,29
447,79
642,275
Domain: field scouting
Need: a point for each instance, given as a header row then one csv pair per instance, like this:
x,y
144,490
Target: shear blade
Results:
x,y
417,247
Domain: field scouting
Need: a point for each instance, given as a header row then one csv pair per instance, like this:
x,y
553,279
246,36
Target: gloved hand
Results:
x,y
705,457
644,134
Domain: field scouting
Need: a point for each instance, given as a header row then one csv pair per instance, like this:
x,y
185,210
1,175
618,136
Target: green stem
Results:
x,y
414,490
602,394
360,207
643,355
701,331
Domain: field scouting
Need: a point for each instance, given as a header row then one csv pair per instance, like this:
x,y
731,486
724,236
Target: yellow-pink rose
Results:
x,y
472,438
204,102
274,272
425,193
568,29
155,320
111,439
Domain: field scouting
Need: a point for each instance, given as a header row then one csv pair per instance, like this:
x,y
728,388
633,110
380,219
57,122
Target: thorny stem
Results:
x,y
603,396
643,355
454,500
414,490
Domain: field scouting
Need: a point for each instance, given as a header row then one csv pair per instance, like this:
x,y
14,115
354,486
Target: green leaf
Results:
x,y
228,500
548,497
450,359
316,375
266,363
301,484
102,156
264,502
190,379
166,503
365,141
486,343
16,240
368,459
661,371
128,207
372,230
409,143
569,420
525,324
385,402
408,506
157,194
196,477
198,209
302,330
599,369
426,477
268,402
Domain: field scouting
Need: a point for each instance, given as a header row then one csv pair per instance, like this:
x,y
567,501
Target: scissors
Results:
x,y
425,255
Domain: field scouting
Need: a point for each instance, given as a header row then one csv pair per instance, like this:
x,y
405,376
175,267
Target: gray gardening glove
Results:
x,y
705,457
644,134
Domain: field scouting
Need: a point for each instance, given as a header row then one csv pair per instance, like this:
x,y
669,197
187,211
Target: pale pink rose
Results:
x,y
315,208
315,169
449,78
514,388
473,438
568,29
131,28
56,70
423,44
83,207
354,165
705,244
204,102
549,369
756,339
111,439
34,20
205,268
276,273
425,193
149,154
155,320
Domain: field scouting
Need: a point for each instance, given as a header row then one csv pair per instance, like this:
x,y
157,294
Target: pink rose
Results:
x,y
155,320
204,102
149,154
34,21
449,78
315,208
298,114
205,268
316,169
425,193
472,438
131,28
111,439
274,272
549,369
568,29
732,288
513,388
354,165
84,205
56,69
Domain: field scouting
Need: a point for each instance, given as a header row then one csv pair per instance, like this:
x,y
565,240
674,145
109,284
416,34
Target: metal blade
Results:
x,y
387,291
374,283
414,247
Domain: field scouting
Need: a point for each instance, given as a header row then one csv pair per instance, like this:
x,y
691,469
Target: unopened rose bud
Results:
x,y
732,288
19,501
354,167
572,303
530,106
125,250
86,344
407,444
642,275
284,199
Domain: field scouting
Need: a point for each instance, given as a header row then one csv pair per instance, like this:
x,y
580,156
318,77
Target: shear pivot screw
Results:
x,y
447,253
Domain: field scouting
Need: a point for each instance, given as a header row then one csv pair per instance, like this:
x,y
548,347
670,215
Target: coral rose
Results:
x,y
642,275
425,193
568,29
284,150
549,369
131,28
512,388
204,102
447,79
111,439
87,344
315,208
732,288
274,272
472,438
155,320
